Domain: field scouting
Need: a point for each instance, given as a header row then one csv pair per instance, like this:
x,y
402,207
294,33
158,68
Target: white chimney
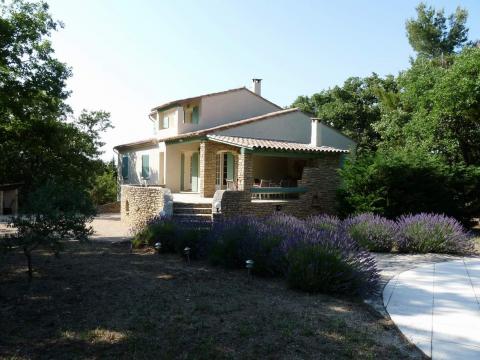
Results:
x,y
257,86
314,135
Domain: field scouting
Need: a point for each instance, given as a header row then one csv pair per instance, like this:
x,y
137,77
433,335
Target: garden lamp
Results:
x,y
158,247
187,253
249,266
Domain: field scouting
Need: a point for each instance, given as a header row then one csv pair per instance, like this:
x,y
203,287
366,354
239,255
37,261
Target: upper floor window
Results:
x,y
145,166
164,122
192,115
125,167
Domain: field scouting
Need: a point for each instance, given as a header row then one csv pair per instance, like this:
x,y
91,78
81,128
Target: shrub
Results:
x,y
372,232
423,233
192,235
324,222
236,240
159,229
330,262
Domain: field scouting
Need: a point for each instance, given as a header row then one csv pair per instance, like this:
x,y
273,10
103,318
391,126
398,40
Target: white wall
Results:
x,y
173,160
327,136
294,126
175,117
135,165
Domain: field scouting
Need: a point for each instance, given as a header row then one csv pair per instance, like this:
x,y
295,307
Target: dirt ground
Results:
x,y
100,301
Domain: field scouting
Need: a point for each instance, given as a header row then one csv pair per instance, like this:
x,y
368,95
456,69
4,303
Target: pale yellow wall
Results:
x,y
173,156
327,136
293,126
135,165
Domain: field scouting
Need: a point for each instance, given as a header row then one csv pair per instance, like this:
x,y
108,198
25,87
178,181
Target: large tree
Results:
x,y
431,34
39,139
351,108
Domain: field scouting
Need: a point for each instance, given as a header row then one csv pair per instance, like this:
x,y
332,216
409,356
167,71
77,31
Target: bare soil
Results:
x,y
99,301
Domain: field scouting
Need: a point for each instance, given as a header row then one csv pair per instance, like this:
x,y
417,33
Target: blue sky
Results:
x,y
128,56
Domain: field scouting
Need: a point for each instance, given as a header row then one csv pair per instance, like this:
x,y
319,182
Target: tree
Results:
x,y
352,108
430,36
52,214
104,188
39,140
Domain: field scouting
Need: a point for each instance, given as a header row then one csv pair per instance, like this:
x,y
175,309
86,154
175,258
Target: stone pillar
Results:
x,y
207,169
245,171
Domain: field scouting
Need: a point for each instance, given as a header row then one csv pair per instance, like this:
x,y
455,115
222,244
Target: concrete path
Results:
x,y
108,227
437,307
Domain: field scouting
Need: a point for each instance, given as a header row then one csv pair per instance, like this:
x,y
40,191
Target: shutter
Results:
x,y
125,167
229,166
145,166
195,115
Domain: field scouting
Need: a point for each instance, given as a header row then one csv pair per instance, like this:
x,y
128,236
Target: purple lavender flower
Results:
x,y
372,232
423,233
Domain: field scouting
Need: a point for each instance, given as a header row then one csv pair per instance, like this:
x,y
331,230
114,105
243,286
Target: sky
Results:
x,y
130,56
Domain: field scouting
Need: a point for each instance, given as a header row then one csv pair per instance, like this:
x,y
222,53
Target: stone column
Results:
x,y
207,169
245,171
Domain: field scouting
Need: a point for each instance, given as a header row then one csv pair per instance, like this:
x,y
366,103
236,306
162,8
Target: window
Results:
x,y
165,122
125,167
195,115
145,166
188,116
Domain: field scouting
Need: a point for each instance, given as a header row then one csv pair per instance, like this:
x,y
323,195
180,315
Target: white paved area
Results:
x,y
436,306
108,227
192,198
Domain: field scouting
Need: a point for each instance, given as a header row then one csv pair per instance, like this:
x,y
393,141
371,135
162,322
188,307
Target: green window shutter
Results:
x,y
230,164
145,166
125,167
195,115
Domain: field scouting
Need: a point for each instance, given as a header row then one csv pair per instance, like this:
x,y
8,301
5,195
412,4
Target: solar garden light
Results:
x,y
249,266
187,253
158,247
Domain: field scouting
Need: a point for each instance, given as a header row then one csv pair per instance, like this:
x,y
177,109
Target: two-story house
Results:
x,y
231,140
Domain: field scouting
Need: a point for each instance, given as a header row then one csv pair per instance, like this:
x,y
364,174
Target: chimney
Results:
x,y
314,133
257,86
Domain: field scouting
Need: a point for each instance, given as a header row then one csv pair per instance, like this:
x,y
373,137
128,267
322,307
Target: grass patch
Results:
x,y
101,301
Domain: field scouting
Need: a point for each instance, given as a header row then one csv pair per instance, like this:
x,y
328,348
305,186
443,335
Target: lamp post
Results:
x,y
187,254
249,265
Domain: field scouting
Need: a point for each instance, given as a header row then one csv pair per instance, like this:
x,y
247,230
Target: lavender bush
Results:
x,y
330,262
372,232
423,233
324,222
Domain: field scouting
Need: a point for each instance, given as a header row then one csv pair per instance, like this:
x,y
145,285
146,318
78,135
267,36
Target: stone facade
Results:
x,y
320,178
208,152
139,204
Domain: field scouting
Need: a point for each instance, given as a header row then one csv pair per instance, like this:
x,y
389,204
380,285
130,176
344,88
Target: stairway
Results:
x,y
192,213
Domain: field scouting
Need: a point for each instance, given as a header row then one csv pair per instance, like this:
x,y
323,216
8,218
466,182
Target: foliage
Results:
x,y
393,184
158,229
423,233
324,222
329,262
54,213
352,108
372,232
429,34
38,141
104,189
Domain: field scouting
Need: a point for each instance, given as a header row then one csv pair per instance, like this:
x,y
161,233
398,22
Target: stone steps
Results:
x,y
192,213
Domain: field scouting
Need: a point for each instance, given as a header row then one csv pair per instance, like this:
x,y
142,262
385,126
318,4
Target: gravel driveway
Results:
x,y
108,227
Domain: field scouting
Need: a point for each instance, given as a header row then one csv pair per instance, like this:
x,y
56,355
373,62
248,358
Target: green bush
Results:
x,y
157,230
400,183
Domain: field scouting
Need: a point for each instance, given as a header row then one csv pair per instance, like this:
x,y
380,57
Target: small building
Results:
x,y
234,152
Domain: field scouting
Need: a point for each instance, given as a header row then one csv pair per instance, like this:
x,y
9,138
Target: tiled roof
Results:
x,y
264,144
230,125
136,144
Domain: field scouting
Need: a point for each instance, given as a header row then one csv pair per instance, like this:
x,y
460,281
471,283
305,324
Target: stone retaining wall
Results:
x,y
141,203
113,207
320,178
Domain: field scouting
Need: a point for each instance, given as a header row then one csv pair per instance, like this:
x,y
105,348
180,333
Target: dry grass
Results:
x,y
99,301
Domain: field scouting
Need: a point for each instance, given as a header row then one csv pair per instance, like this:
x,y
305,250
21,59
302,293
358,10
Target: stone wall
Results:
x,y
320,178
208,152
113,207
139,204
